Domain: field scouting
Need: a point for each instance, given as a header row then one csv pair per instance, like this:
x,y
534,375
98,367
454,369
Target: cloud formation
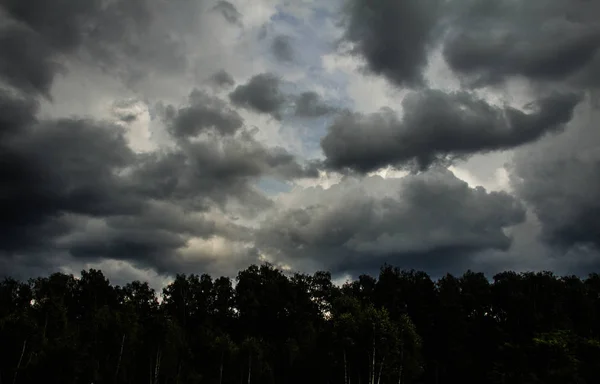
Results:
x,y
166,136
310,104
439,127
204,113
76,188
558,178
222,79
261,93
548,40
282,48
393,36
360,223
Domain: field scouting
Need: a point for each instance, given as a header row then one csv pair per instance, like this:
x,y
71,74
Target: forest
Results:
x,y
271,326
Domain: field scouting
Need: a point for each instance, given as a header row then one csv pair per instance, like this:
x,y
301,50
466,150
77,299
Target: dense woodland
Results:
x,y
268,326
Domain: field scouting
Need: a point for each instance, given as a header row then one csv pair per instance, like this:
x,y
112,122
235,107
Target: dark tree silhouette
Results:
x,y
279,327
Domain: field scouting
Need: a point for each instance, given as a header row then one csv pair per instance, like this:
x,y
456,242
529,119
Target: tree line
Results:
x,y
269,326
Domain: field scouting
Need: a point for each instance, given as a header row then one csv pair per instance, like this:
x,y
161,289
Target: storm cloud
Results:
x,y
392,36
548,40
61,166
168,136
439,127
73,186
262,93
121,37
204,113
365,221
558,178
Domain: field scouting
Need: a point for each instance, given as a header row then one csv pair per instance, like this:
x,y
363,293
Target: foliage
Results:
x,y
275,327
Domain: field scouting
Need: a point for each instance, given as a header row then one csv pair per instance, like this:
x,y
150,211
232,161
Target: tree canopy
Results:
x,y
271,326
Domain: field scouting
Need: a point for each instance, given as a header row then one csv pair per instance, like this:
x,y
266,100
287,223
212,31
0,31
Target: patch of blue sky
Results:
x,y
311,131
313,37
310,44
309,47
273,187
284,17
323,15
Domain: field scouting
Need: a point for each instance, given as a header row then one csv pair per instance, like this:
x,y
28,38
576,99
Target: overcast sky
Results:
x,y
154,137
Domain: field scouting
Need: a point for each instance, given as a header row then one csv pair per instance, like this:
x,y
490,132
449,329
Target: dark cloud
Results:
x,y
282,48
123,37
229,12
222,79
15,112
60,166
74,187
153,238
547,40
438,127
429,219
139,243
169,217
309,104
558,179
143,245
262,93
215,170
204,112
74,191
26,62
23,267
241,158
393,36
62,23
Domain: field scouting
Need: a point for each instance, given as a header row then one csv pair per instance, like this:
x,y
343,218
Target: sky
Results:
x,y
148,138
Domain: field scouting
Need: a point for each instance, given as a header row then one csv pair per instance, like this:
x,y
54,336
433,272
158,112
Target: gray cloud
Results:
x,y
262,94
73,189
61,23
153,238
425,220
215,168
124,38
153,247
26,62
393,36
558,178
53,167
229,12
15,112
437,128
548,40
282,48
125,111
204,112
222,79
309,104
